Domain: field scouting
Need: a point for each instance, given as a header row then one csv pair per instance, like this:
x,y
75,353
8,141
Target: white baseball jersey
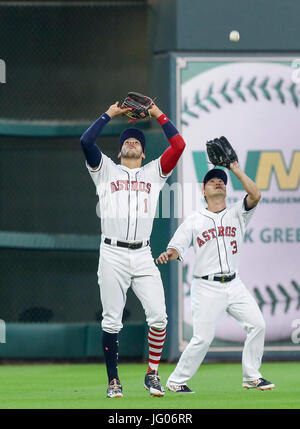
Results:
x,y
216,237
127,198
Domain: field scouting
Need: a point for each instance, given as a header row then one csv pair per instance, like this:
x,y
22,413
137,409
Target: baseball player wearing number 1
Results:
x,y
128,195
216,233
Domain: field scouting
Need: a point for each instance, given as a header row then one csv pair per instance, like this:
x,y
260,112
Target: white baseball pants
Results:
x,y
119,268
209,300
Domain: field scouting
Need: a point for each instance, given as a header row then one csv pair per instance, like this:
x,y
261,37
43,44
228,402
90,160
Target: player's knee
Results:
x,y
203,342
257,328
261,325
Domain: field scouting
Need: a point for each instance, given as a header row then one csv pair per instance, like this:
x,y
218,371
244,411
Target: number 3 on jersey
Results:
x,y
234,245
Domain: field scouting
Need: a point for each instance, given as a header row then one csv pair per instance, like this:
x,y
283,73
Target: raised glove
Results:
x,y
220,152
140,105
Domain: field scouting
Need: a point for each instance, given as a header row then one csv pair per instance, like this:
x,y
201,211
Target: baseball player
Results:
x,y
216,234
128,195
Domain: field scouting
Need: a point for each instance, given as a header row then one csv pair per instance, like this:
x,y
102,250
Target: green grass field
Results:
x,y
83,386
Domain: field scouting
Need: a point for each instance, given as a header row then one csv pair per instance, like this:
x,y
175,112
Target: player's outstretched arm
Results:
x,y
250,187
89,137
172,154
165,257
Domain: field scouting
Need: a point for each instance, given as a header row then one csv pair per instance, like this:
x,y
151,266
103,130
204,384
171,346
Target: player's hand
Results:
x,y
234,165
163,258
115,110
155,111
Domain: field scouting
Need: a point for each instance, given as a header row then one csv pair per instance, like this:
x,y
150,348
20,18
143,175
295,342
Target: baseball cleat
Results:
x,y
260,384
152,383
114,389
178,388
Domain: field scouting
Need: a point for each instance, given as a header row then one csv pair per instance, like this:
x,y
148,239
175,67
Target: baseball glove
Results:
x,y
220,152
140,105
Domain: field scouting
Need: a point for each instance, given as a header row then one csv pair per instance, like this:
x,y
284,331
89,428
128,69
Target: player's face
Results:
x,y
215,187
132,148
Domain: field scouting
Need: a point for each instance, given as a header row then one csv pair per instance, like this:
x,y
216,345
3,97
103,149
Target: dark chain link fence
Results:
x,y
71,60
67,61
45,186
46,192
54,286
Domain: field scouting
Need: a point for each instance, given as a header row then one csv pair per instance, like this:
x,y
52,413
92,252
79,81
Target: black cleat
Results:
x,y
178,388
260,384
152,383
114,389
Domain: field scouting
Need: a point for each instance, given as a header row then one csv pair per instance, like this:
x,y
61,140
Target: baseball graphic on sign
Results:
x,y
256,105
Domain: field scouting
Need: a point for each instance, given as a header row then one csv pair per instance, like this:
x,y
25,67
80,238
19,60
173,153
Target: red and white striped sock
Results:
x,y
156,339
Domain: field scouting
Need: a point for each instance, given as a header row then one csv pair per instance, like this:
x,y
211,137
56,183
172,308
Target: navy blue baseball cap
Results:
x,y
215,172
135,133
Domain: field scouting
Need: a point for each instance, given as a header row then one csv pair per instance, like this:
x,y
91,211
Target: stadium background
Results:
x,y
66,62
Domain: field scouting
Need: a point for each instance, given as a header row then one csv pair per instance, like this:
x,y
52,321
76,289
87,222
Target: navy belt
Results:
x,y
136,245
222,279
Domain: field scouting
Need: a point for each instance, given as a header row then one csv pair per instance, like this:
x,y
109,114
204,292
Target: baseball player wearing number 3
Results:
x,y
128,195
216,234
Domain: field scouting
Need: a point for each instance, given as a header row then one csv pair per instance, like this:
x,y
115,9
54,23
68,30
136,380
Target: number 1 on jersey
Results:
x,y
146,205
